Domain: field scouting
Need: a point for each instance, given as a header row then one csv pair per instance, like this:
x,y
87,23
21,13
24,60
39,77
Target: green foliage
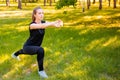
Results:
x,y
62,3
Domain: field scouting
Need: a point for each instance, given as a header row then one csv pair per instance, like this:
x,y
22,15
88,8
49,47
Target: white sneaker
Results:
x,y
15,57
42,74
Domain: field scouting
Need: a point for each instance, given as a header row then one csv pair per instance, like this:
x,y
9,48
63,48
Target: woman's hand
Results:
x,y
58,23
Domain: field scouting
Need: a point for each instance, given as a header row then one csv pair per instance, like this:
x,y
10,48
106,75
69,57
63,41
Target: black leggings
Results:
x,y
31,50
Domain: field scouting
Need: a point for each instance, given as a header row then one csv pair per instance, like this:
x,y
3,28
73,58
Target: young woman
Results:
x,y
33,44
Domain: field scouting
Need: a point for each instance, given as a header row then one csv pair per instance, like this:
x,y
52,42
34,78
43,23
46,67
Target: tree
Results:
x,y
100,4
44,2
25,1
19,4
114,4
88,4
109,2
7,3
93,1
83,5
50,2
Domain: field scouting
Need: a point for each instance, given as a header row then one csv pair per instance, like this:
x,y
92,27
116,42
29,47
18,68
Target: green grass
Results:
x,y
86,48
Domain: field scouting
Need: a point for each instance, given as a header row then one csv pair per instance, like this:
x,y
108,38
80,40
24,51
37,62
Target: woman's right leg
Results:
x,y
15,54
18,52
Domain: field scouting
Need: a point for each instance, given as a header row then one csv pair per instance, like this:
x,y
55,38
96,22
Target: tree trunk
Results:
x,y
83,5
50,2
114,4
88,4
109,2
7,3
25,2
19,4
44,2
100,4
93,1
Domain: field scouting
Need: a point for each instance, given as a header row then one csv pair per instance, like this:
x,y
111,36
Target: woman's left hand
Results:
x,y
58,23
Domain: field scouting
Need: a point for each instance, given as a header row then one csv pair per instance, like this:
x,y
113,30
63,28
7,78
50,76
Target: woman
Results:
x,y
33,44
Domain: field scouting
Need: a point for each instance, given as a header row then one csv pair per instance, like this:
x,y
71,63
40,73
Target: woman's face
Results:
x,y
39,14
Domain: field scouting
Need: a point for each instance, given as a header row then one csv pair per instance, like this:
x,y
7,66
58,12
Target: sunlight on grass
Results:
x,y
52,11
110,41
16,68
118,31
22,28
14,13
96,17
8,74
100,42
47,49
84,31
117,14
78,66
3,58
57,53
93,44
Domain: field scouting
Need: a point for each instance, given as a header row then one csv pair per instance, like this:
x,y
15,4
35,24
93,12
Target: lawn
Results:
x,y
87,47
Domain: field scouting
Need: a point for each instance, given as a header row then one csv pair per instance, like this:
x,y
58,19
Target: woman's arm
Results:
x,y
45,25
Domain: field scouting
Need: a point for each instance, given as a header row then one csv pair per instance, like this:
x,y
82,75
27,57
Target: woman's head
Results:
x,y
37,14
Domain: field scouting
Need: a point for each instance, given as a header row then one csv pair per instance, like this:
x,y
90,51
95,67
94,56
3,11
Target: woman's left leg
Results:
x,y
31,50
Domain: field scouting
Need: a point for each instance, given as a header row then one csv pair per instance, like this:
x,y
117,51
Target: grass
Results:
x,y
86,48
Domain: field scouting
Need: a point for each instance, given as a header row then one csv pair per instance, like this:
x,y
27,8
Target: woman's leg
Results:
x,y
31,50
15,54
40,57
18,52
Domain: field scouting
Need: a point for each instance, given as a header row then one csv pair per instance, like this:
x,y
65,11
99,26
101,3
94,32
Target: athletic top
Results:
x,y
36,36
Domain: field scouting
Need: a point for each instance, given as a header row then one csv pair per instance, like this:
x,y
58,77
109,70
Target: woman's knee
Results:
x,y
41,50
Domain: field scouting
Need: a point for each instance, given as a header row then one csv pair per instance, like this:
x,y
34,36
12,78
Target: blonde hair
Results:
x,y
34,12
